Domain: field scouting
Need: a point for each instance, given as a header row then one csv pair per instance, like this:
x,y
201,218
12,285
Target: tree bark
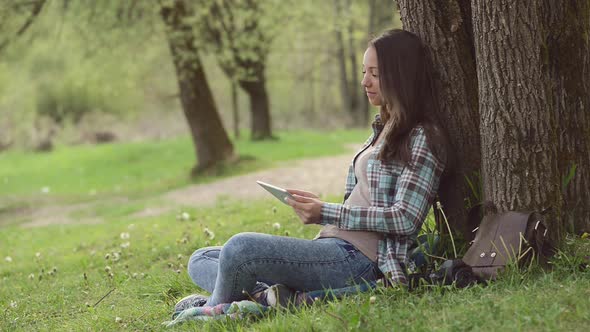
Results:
x,y
259,108
446,28
569,60
518,131
211,142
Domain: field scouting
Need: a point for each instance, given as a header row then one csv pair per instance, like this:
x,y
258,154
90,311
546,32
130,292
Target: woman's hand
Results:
x,y
306,205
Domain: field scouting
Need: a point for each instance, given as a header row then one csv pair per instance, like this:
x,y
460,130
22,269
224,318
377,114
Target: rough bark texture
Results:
x,y
445,26
569,59
518,129
211,141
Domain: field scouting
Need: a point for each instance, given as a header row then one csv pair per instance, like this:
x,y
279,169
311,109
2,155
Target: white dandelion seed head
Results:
x,y
13,304
125,245
125,236
185,216
107,269
118,319
372,299
45,190
38,254
31,276
276,226
8,259
107,256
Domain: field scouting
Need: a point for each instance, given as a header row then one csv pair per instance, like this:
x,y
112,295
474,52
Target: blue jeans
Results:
x,y
230,272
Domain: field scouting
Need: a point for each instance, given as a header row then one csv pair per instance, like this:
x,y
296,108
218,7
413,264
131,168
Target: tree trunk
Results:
x,y
518,130
211,142
446,28
341,55
354,84
569,59
259,108
235,110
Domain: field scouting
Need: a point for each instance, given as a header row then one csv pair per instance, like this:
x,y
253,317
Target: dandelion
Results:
x,y
38,254
185,216
45,190
107,269
125,245
87,304
125,236
8,259
111,275
134,275
209,233
13,304
116,256
372,300
118,319
107,256
31,276
179,257
142,275
276,226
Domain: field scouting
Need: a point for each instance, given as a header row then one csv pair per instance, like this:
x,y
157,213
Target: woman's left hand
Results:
x,y
308,207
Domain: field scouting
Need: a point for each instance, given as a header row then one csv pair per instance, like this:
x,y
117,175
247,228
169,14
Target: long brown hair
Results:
x,y
406,79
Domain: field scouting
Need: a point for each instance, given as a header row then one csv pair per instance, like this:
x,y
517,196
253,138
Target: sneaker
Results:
x,y
276,296
191,301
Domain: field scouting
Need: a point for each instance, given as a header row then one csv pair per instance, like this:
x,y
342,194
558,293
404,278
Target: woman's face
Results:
x,y
370,80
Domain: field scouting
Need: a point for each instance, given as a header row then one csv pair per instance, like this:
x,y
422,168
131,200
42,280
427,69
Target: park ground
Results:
x,y
97,238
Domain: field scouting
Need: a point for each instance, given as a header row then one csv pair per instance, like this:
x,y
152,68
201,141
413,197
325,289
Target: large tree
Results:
x,y
518,127
568,43
211,141
513,93
446,28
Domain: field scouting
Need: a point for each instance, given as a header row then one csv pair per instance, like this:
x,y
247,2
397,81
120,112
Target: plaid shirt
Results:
x,y
401,196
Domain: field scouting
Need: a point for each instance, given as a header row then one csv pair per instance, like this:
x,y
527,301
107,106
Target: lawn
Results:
x,y
127,273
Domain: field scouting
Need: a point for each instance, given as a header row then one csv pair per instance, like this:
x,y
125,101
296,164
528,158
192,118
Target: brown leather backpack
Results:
x,y
505,238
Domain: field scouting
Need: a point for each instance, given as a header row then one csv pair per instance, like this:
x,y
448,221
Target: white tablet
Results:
x,y
277,192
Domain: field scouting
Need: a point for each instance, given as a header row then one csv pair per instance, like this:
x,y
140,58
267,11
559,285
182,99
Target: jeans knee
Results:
x,y
199,256
237,248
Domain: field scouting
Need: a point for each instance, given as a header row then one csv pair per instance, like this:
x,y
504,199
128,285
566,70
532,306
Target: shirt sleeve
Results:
x,y
413,193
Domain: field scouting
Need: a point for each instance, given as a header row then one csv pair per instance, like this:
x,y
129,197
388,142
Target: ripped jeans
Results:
x,y
230,272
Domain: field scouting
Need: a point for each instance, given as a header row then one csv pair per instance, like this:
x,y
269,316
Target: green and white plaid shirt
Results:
x,y
401,196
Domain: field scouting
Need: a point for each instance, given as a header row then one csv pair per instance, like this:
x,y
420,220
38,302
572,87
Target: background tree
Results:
x,y
346,50
242,40
211,141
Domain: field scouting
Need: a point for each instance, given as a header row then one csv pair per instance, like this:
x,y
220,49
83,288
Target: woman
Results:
x,y
391,184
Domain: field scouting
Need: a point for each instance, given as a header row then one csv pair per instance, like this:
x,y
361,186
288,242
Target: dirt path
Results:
x,y
324,175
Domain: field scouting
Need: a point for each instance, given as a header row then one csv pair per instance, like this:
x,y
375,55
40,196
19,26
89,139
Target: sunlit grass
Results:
x,y
83,172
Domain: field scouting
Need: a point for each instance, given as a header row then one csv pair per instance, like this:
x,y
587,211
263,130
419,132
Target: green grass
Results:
x,y
147,256
83,172
34,298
